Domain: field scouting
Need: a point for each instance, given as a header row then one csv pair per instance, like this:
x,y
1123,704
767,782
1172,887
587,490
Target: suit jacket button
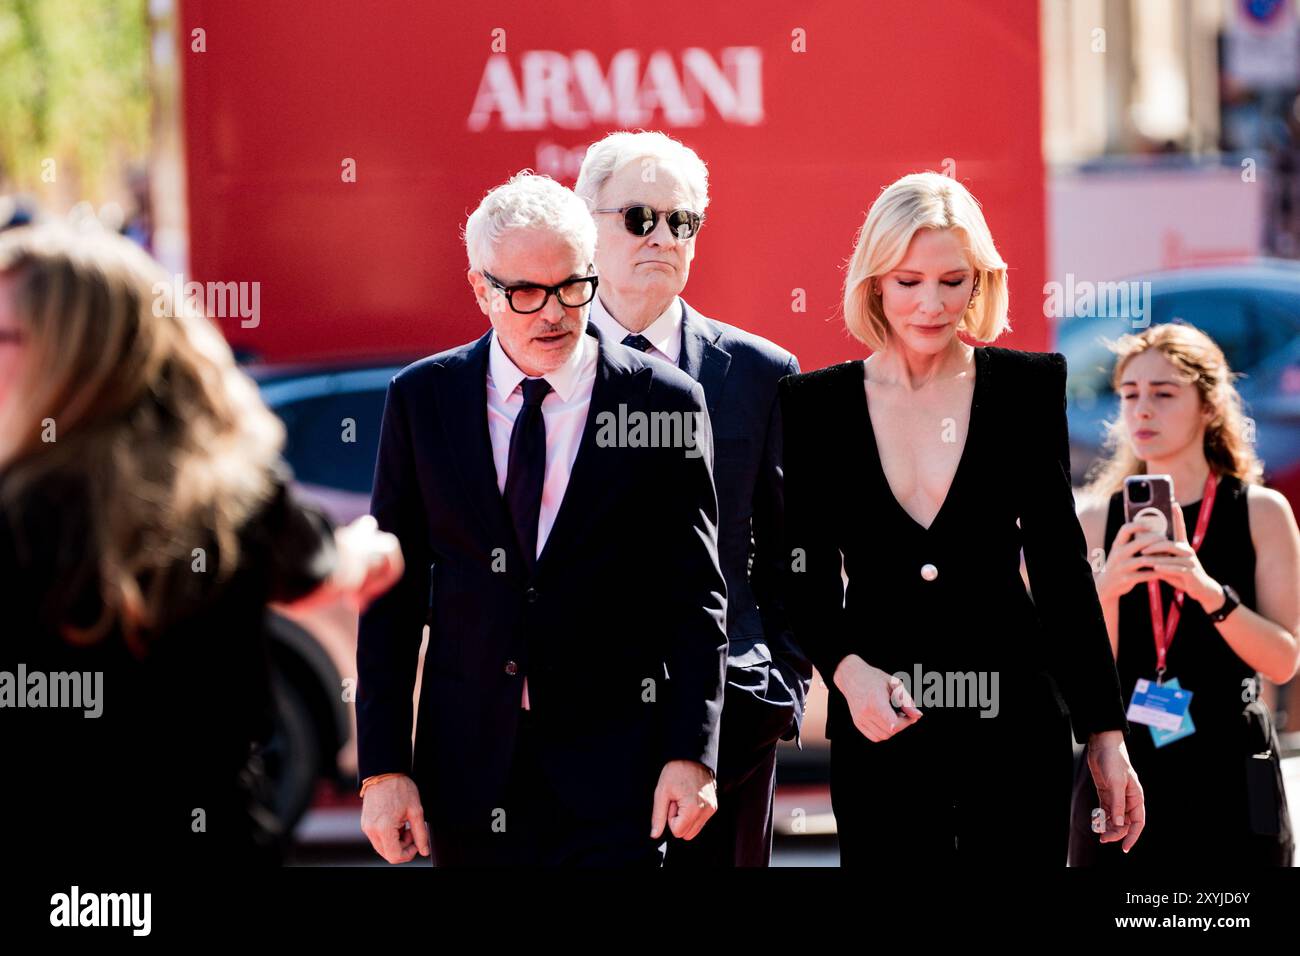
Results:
x,y
929,572
531,595
512,668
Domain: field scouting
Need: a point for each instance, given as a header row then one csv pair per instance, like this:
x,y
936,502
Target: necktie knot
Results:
x,y
638,342
535,389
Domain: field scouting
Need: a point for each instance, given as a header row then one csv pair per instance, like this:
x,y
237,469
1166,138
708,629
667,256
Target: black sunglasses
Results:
x,y
528,298
641,220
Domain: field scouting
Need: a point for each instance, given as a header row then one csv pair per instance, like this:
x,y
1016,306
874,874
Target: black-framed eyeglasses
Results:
x,y
527,298
641,220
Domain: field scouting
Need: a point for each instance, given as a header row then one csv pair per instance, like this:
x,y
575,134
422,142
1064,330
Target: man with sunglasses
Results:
x,y
572,686
648,192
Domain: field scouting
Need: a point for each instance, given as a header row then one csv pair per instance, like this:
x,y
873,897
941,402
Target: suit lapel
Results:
x,y
701,359
616,384
462,404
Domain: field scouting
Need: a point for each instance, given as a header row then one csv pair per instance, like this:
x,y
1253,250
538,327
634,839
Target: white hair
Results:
x,y
607,156
527,201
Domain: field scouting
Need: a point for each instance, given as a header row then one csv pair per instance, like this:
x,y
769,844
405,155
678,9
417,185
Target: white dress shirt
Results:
x,y
664,333
564,411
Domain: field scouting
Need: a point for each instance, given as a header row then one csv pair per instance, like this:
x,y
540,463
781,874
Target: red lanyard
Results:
x,y
1164,630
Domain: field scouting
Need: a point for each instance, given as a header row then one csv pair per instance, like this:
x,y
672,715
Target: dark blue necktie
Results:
x,y
527,467
638,342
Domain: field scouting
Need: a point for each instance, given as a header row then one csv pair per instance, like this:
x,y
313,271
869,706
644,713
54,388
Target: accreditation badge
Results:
x,y
1161,706
1185,729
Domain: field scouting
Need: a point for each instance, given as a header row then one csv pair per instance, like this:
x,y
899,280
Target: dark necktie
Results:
x,y
527,467
638,342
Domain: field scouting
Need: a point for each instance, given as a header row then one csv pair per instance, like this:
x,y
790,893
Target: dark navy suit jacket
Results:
x,y
739,372
619,628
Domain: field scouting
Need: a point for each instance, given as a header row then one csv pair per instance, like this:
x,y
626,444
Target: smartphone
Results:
x,y
1149,500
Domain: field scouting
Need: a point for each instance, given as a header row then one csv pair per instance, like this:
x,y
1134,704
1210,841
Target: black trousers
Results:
x,y
739,834
954,793
534,828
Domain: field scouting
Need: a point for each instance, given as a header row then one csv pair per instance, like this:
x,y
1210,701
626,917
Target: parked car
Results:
x,y
1252,311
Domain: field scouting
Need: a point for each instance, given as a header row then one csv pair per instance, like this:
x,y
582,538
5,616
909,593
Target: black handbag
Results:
x,y
1265,791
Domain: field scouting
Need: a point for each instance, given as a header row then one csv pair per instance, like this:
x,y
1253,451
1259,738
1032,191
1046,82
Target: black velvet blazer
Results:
x,y
949,596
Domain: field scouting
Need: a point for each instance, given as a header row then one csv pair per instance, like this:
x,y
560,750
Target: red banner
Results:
x,y
335,148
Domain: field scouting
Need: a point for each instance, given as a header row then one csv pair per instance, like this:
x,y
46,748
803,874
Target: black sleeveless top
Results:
x,y
1197,801
1198,656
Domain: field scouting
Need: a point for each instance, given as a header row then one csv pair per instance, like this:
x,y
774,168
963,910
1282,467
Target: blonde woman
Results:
x,y
144,526
924,469
1212,800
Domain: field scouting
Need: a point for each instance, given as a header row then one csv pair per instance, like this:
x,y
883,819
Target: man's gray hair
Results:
x,y
607,156
527,201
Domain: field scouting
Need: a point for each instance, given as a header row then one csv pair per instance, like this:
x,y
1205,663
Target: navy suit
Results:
x,y
767,674
619,628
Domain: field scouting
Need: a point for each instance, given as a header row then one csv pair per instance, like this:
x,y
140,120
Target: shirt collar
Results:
x,y
506,375
664,333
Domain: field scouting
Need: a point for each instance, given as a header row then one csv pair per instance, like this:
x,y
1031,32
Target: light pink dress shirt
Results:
x,y
564,410
664,333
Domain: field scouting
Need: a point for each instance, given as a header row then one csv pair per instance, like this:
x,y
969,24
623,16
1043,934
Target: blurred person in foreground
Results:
x,y
145,525
572,685
1217,610
647,230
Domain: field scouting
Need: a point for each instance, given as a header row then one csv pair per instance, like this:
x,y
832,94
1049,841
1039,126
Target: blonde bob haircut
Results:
x,y
923,201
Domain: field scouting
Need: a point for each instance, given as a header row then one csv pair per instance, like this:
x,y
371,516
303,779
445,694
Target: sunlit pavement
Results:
x,y
804,829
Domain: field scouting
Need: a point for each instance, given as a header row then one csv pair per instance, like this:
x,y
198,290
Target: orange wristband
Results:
x,y
375,779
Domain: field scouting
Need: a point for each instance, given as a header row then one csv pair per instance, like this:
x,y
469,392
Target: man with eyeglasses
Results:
x,y
572,685
649,192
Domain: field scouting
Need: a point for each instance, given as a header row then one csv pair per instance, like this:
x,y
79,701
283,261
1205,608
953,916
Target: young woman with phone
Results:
x,y
1204,606
924,469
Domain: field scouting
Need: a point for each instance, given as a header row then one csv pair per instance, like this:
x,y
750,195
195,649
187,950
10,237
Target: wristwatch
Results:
x,y
1230,602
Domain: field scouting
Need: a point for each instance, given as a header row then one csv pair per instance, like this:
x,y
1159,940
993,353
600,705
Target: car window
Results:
x,y
1277,323
1223,316
319,428
1089,360
1277,378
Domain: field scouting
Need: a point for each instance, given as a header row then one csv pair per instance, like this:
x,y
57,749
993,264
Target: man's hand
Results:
x,y
391,816
1118,788
684,799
